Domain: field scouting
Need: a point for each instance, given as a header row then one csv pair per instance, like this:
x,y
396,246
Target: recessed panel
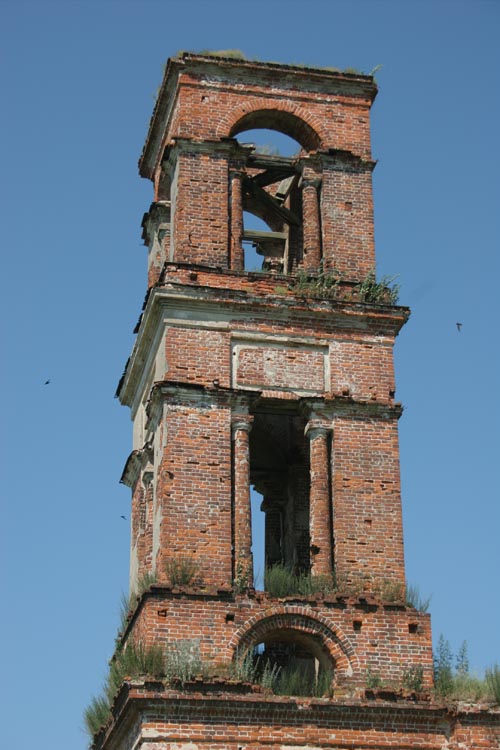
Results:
x,y
299,368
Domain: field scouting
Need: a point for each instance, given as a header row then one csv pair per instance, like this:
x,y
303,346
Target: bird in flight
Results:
x,y
124,517
459,326
47,382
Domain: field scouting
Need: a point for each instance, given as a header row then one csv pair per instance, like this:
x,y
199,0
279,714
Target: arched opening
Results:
x,y
268,141
282,122
271,196
290,662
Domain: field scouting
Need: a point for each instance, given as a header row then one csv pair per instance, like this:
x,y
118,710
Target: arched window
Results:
x,y
276,146
282,122
290,662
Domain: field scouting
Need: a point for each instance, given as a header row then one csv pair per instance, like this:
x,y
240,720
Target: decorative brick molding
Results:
x,y
298,621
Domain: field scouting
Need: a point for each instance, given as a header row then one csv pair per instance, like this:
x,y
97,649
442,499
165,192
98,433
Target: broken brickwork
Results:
x,y
241,379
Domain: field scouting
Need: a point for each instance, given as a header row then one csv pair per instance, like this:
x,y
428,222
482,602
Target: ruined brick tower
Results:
x,y
280,380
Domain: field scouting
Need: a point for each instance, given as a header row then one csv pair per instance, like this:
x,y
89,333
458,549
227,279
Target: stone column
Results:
x,y
319,501
311,225
237,261
242,508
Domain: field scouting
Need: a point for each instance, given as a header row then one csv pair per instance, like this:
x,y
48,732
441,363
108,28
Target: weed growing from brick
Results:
x,y
280,581
182,571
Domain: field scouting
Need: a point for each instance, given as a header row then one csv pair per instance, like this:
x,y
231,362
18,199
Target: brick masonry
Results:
x,y
238,379
191,151
358,634
149,716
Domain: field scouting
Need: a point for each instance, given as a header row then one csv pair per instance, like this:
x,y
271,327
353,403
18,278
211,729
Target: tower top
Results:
x,y
235,76
316,205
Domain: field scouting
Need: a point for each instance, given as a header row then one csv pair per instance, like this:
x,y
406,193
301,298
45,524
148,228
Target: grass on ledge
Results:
x,y
279,581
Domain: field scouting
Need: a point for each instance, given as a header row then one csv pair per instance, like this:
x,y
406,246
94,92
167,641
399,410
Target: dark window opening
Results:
x,y
294,664
279,473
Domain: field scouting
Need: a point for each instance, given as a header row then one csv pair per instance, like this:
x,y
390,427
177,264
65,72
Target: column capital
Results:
x,y
147,477
310,164
317,427
313,182
241,422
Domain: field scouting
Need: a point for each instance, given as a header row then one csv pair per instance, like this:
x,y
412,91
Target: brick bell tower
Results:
x,y
283,381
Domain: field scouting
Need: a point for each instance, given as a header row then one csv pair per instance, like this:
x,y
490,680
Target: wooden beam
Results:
x,y
268,244
266,161
274,205
270,176
256,235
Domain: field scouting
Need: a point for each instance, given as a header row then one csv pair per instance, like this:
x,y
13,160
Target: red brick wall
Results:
x,y
367,519
282,367
209,103
209,107
364,367
359,637
198,355
201,209
360,362
345,361
170,720
347,221
194,491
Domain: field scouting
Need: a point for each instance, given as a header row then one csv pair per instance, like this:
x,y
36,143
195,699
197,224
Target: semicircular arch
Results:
x,y
288,621
283,117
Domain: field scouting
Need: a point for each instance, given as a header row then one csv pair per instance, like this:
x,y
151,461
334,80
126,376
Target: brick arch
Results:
x,y
283,116
303,622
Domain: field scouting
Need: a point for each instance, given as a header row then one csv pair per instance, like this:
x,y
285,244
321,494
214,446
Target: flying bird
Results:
x,y
47,382
124,517
459,326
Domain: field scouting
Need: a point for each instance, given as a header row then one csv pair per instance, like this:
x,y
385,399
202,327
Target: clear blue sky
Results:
x,y
78,85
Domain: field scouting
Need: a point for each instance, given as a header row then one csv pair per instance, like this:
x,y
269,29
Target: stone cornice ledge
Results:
x,y
183,298
236,704
196,395
136,461
207,396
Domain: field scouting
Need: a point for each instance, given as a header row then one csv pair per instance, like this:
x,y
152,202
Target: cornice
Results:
x,y
132,469
161,114
246,403
193,394
342,160
227,305
218,699
159,213
136,461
